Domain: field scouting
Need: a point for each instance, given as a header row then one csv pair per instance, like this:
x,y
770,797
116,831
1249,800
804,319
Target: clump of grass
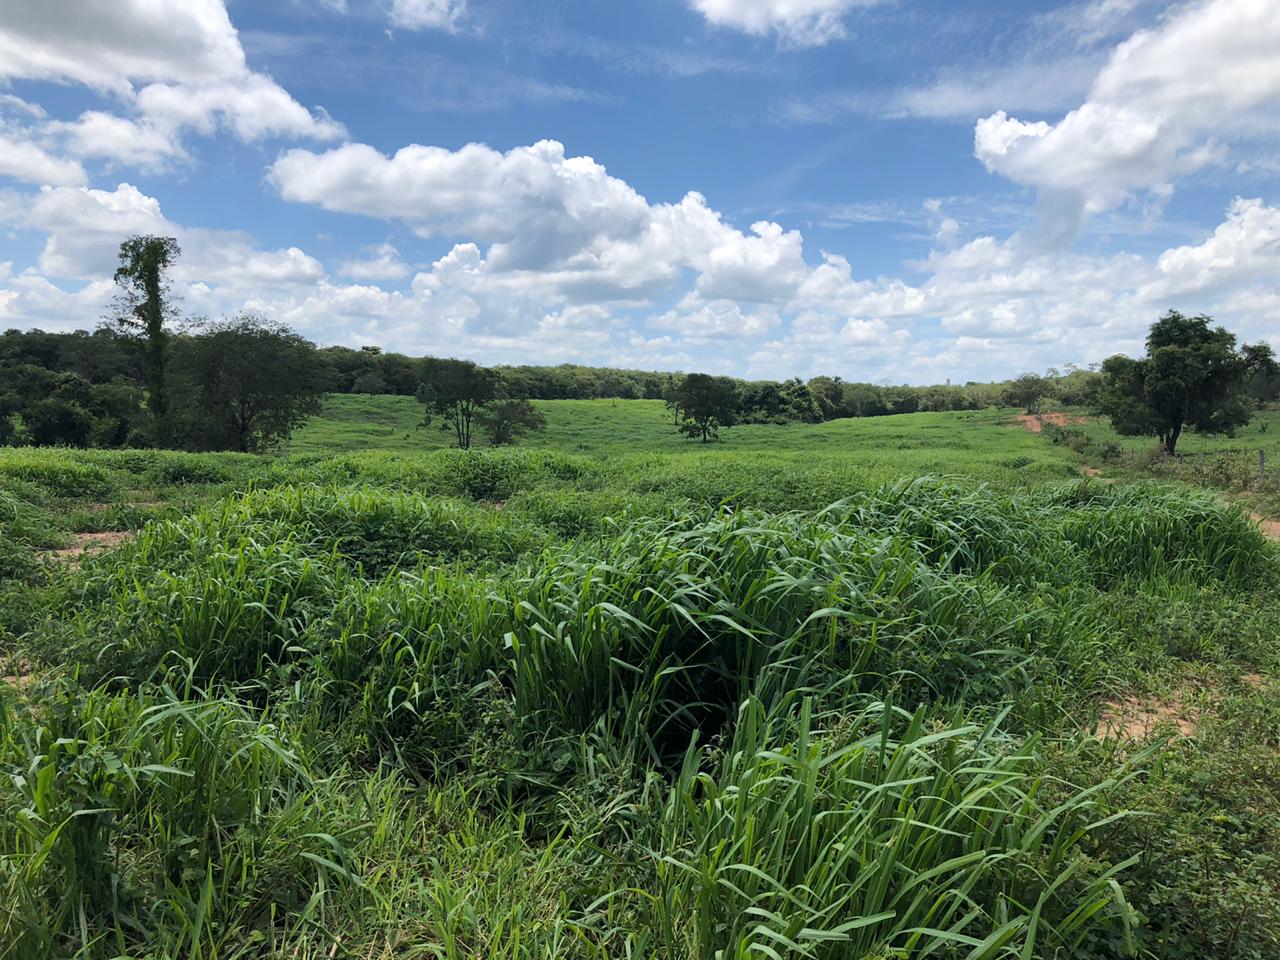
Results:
x,y
165,819
24,528
643,714
58,473
884,838
381,530
493,475
235,600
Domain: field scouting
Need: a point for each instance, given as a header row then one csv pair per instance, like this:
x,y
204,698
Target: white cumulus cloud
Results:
x,y
170,66
1168,102
385,264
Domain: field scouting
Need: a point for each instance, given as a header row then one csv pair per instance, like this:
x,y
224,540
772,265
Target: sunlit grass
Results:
x,y
815,692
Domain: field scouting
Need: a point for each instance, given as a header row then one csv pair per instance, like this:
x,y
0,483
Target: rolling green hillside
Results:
x,y
888,688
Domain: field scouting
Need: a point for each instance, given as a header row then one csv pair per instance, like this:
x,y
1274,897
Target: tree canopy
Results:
x,y
1027,391
706,404
506,421
1192,376
251,382
456,391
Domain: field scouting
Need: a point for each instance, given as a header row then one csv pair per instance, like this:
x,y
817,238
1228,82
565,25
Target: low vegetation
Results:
x,y
669,703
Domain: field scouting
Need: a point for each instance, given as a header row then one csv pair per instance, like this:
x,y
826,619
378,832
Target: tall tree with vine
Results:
x,y
144,310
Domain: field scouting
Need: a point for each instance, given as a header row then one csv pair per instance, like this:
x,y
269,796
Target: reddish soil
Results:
x,y
1270,528
1131,718
1035,421
88,545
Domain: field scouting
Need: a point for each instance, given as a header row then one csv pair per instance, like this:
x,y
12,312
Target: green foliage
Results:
x,y
1027,391
882,839
506,421
456,391
165,818
706,403
248,384
1192,376
24,527
789,696
50,409
58,474
144,310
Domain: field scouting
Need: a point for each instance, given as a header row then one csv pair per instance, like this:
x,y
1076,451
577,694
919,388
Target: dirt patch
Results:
x,y
1090,471
16,674
1035,421
85,545
1134,718
1270,528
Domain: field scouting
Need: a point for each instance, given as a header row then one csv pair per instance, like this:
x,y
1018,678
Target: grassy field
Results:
x,y
1226,463
893,688
1263,433
972,443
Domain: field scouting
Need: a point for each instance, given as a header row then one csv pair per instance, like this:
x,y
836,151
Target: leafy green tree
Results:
x,y
671,398
370,382
798,403
1027,391
58,420
708,403
144,310
828,394
1264,377
250,382
506,421
1192,376
456,391
864,400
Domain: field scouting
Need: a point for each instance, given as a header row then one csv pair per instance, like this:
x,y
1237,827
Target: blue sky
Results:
x,y
893,190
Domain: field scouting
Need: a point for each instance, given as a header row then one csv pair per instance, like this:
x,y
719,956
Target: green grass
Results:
x,y
1262,433
1226,463
812,692
354,422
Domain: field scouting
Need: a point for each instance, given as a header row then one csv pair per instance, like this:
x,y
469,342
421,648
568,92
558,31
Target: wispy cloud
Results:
x,y
422,83
642,58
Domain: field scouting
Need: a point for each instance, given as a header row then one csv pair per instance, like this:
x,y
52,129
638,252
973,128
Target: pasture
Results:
x,y
888,688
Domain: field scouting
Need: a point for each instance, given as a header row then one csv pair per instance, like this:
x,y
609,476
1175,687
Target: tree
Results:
x,y
1264,376
505,421
370,382
67,409
143,309
250,382
456,391
708,403
671,398
1027,392
864,400
8,407
828,394
1192,376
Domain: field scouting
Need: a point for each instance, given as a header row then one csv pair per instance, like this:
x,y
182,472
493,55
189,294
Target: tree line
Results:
x,y
242,383
147,376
